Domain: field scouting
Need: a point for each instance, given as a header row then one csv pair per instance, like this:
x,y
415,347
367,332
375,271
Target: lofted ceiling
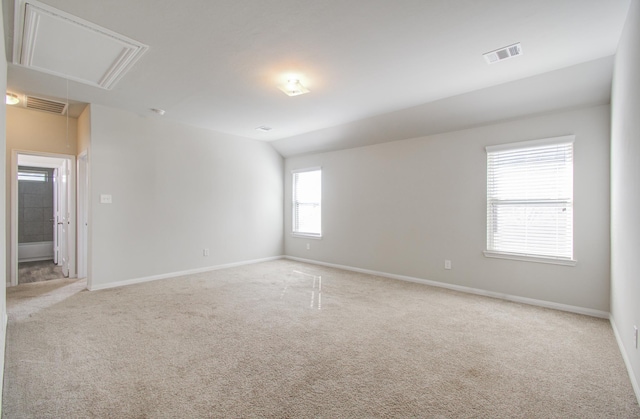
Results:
x,y
378,70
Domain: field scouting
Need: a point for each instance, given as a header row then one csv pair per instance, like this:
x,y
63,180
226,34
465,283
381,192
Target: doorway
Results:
x,y
42,217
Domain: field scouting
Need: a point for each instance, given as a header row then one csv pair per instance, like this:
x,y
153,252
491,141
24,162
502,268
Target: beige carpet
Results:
x,y
288,340
42,270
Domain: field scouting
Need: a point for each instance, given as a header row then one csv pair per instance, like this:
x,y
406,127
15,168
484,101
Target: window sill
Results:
x,y
529,258
307,236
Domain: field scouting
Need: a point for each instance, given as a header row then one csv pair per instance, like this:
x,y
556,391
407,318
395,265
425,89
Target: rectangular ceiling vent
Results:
x,y
54,42
45,105
503,53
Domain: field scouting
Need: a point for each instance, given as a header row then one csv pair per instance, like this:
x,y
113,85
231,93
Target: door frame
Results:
x,y
56,199
83,213
13,258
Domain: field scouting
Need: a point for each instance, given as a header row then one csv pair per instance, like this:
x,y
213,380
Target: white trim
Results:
x,y
529,258
625,357
13,225
28,14
82,205
565,139
307,169
513,298
179,273
307,236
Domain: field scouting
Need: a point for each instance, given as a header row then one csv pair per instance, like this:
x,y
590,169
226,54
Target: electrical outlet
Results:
x,y
635,336
447,264
205,252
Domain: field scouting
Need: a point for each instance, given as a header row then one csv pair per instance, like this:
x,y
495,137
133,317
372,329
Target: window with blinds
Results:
x,y
307,202
530,200
33,175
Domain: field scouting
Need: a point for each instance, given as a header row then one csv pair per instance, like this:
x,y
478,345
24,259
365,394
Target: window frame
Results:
x,y
295,233
550,259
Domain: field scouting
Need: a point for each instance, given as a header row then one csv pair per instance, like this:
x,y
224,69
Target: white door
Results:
x,y
63,217
56,244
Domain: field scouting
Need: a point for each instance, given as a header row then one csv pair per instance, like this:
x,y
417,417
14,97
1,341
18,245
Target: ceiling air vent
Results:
x,y
503,53
45,105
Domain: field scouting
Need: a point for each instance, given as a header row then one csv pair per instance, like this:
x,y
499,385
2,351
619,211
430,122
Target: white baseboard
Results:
x,y
180,273
477,291
625,357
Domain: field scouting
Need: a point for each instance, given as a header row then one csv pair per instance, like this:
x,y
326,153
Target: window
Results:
x,y
307,202
530,200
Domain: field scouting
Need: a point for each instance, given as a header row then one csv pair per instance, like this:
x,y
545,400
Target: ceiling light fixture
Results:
x,y
293,87
159,111
12,99
264,129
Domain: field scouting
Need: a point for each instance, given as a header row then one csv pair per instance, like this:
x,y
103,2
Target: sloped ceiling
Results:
x,y
377,70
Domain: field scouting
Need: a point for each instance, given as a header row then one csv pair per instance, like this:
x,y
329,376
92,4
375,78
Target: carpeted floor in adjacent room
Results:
x,y
284,339
42,270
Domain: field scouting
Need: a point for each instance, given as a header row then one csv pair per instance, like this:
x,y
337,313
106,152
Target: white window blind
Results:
x,y
307,202
33,175
530,198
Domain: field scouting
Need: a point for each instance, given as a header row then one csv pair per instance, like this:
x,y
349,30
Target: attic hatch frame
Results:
x,y
122,53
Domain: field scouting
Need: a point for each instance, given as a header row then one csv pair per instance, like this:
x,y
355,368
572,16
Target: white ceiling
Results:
x,y
368,63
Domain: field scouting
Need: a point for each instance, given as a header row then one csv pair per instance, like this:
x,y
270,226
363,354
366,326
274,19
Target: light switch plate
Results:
x,y
105,199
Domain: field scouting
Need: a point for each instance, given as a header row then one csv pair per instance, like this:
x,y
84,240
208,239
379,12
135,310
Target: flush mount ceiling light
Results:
x,y
293,87
264,128
160,112
503,53
11,99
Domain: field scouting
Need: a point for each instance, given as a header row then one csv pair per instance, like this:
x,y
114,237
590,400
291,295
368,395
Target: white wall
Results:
x,y
625,191
406,206
177,190
83,130
3,198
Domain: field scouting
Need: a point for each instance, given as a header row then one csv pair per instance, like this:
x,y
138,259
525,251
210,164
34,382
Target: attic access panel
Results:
x,y
58,43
